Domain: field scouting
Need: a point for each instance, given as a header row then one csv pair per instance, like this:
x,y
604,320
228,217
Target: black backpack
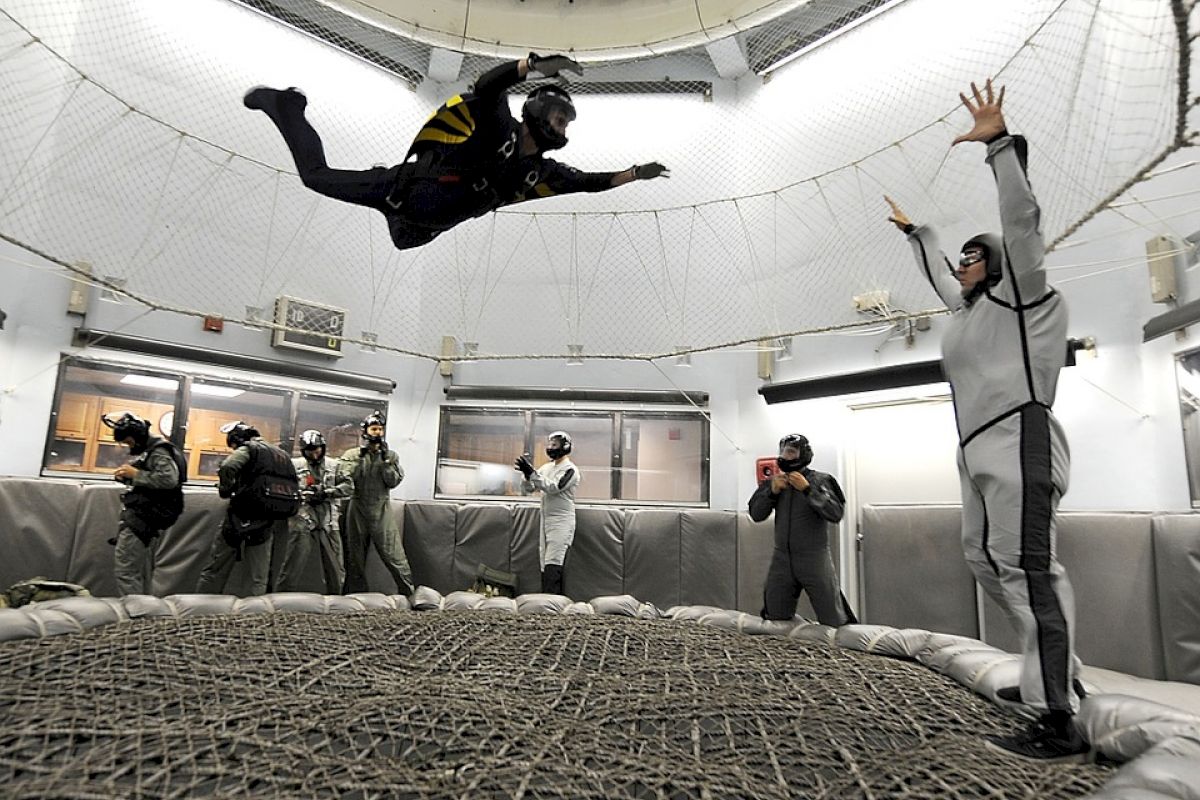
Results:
x,y
159,508
270,489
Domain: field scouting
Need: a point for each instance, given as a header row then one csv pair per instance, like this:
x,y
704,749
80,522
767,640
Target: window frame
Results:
x,y
185,377
530,412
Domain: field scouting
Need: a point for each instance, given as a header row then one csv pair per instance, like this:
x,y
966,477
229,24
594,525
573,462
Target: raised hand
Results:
x,y
644,172
898,216
987,111
551,65
524,465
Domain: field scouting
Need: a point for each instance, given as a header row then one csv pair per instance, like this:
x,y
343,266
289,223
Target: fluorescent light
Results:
x,y
216,391
150,382
829,37
153,382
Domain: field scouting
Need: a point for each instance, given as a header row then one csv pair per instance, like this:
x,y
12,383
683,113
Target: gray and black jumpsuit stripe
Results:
x,y
1002,352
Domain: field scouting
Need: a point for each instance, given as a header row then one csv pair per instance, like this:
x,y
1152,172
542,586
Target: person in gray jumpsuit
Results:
x,y
805,503
1002,350
375,471
556,480
322,483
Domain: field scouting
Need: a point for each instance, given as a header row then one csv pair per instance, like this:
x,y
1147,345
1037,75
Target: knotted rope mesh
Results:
x,y
470,705
128,159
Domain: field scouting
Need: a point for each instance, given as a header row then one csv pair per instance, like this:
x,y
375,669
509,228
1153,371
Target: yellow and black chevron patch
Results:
x,y
450,124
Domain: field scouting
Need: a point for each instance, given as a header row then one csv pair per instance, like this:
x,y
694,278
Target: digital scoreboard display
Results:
x,y
310,326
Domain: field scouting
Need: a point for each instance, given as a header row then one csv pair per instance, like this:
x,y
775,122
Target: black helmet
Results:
x,y
311,440
374,418
238,433
801,444
558,449
127,426
536,112
993,252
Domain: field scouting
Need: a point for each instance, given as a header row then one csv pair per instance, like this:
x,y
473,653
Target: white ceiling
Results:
x,y
594,29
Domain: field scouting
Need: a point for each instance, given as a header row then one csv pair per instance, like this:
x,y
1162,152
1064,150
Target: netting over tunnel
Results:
x,y
466,704
124,145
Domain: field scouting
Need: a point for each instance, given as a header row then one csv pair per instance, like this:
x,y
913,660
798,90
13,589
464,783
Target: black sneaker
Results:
x,y
1012,694
1040,741
264,98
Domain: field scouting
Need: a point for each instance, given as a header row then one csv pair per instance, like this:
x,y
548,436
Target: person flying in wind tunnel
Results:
x,y
1002,351
805,503
469,158
557,480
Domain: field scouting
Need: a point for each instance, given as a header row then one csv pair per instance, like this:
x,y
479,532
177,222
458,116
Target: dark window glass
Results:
x,y
663,458
216,403
591,449
477,453
78,441
339,419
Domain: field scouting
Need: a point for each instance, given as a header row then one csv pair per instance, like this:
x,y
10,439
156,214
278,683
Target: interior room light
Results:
x,y
216,391
150,382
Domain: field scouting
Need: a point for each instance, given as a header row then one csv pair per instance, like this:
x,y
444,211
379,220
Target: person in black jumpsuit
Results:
x,y
471,157
805,503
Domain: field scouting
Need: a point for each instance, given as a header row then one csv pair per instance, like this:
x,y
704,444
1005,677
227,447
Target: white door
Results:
x,y
901,451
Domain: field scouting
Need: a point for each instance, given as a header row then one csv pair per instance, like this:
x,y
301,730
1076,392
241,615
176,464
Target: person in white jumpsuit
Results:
x,y
556,480
1002,351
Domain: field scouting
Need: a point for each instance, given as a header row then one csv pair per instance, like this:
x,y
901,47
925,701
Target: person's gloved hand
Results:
x,y
316,495
644,172
551,65
525,465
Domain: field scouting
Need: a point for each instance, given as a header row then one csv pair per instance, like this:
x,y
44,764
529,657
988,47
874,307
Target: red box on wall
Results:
x,y
764,468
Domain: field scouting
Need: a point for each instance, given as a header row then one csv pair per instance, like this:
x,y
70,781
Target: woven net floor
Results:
x,y
489,705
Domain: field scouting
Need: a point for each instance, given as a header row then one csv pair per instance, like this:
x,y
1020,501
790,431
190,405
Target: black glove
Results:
x,y
523,463
316,495
644,172
551,65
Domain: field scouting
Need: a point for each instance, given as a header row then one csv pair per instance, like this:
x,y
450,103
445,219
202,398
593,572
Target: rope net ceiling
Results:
x,y
466,704
124,146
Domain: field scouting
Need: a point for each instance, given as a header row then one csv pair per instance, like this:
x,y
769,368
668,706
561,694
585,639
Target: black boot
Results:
x,y
271,101
552,579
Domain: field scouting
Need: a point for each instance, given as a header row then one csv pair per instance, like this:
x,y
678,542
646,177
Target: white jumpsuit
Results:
x,y
1002,353
557,483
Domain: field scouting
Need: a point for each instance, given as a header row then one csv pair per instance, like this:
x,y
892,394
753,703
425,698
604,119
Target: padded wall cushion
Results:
x,y
523,547
1110,561
542,603
184,549
652,553
708,558
1177,567
596,561
755,544
914,574
429,530
1168,771
462,601
95,523
482,535
38,519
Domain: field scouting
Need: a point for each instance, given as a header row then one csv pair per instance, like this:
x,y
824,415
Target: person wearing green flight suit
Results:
x,y
322,482
375,471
